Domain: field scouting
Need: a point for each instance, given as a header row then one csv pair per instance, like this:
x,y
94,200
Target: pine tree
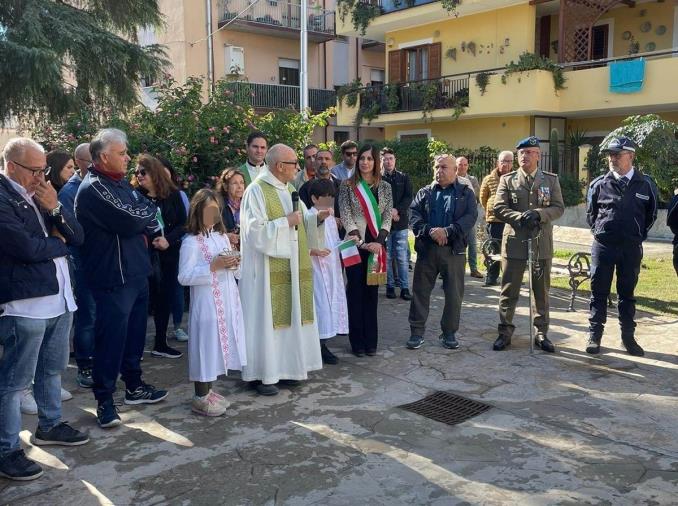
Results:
x,y
58,56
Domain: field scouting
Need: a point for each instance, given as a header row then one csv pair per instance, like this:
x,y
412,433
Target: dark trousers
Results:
x,y
675,257
625,258
511,280
362,307
83,324
494,231
163,295
434,261
119,336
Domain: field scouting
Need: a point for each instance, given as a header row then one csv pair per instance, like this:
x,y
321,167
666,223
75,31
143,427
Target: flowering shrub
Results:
x,y
199,138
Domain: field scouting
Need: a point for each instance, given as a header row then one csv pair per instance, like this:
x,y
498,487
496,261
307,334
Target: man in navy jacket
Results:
x,y
621,209
443,214
36,304
672,222
115,259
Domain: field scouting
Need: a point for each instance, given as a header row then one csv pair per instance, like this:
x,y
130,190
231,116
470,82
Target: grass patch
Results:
x,y
655,292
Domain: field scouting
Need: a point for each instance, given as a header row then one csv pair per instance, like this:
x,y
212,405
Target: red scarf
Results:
x,y
115,176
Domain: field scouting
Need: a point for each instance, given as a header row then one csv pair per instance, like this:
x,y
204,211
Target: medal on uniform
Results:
x,y
544,195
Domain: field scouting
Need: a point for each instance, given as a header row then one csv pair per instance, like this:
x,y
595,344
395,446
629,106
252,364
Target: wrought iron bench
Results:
x,y
491,250
579,270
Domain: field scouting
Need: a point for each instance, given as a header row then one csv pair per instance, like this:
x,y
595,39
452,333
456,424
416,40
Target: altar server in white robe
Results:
x,y
276,287
216,328
329,292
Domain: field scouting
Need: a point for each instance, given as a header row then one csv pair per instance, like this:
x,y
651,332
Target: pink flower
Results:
x,y
195,159
211,129
213,140
191,177
227,129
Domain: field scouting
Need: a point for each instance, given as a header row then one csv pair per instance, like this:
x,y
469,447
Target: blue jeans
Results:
x,y
472,250
33,350
397,246
83,326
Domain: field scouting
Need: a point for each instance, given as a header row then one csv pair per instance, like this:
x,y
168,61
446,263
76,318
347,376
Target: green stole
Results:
x,y
280,271
246,174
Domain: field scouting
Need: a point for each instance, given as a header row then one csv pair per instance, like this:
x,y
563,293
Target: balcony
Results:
x,y
530,93
268,97
276,18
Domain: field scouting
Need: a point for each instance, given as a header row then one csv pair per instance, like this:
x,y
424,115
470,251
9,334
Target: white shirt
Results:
x,y
628,175
48,306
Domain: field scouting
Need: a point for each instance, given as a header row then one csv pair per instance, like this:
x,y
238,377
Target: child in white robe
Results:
x,y
209,266
329,293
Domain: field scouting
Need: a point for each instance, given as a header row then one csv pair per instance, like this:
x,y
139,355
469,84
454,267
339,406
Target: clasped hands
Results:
x,y
294,218
439,236
530,219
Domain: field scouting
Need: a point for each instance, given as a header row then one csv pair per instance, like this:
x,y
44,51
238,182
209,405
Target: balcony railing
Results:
x,y
280,96
396,5
276,13
442,93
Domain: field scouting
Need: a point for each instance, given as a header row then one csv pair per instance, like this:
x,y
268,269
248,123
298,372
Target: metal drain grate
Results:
x,y
446,408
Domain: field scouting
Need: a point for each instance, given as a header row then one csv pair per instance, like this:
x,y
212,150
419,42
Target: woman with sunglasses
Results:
x,y
152,179
231,186
61,168
365,201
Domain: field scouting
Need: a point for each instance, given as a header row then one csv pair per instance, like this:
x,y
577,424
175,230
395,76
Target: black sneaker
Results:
x,y
16,466
390,293
267,390
61,435
593,345
84,377
145,394
327,356
414,342
449,341
167,352
107,415
405,294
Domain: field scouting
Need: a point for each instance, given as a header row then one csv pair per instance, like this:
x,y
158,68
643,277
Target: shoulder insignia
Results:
x,y
550,173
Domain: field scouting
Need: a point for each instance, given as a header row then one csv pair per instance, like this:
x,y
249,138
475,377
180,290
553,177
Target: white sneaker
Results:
x,y
66,395
28,405
207,406
180,335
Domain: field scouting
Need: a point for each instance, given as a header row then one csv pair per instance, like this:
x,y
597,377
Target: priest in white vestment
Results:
x,y
276,287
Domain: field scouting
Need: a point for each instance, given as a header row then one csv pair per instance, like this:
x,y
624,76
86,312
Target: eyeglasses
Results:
x,y
617,154
33,170
351,153
140,172
505,161
289,163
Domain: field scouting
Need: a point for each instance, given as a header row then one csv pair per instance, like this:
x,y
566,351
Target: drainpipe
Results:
x,y
210,47
357,76
303,91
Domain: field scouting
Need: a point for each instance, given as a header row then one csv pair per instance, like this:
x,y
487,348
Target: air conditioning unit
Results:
x,y
234,60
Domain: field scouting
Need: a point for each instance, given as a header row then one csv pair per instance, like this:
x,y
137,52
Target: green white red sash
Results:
x,y
376,264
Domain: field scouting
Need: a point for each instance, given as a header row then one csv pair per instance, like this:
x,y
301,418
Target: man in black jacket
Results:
x,y
36,304
397,245
672,222
443,214
116,220
621,209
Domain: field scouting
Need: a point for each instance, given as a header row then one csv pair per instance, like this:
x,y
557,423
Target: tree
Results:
x,y
58,55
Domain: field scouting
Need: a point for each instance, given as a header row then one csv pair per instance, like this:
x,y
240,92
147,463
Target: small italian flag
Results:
x,y
161,223
349,253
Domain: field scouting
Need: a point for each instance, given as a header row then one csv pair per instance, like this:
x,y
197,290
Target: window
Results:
x,y
340,136
376,77
288,72
414,63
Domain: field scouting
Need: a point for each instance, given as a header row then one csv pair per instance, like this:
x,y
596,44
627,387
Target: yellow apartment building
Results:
x,y
258,42
429,50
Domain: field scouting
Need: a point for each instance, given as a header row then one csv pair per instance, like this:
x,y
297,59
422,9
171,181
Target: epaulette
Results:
x,y
550,173
513,173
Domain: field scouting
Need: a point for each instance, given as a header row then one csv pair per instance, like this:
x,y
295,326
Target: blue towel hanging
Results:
x,y
627,76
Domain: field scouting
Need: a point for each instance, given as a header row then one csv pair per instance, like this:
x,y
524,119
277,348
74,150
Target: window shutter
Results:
x,y
394,66
434,60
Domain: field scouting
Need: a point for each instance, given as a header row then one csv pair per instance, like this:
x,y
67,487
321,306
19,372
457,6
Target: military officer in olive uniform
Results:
x,y
527,200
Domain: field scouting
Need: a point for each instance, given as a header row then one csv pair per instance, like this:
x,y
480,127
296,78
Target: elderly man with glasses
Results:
x,y
36,304
621,209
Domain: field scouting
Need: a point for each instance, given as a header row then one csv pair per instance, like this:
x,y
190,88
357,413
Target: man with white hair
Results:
x,y
462,172
36,304
277,285
83,321
116,219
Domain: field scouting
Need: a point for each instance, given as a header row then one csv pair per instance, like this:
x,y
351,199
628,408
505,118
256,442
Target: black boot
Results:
x,y
593,346
327,356
543,342
631,345
501,342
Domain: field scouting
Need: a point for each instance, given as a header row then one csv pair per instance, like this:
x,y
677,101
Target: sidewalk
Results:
x,y
564,428
580,239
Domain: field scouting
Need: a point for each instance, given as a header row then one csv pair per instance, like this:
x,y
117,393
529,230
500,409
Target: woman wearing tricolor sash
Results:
x,y
366,202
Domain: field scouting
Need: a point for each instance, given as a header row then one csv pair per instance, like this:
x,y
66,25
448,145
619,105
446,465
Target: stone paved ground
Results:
x,y
566,428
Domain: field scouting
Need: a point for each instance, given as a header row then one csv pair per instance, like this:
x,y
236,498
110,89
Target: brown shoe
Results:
x,y
476,274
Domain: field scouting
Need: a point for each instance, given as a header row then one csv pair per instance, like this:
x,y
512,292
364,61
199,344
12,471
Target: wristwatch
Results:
x,y
56,212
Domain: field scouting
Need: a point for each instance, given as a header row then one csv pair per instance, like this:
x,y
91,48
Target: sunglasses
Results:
x,y
351,153
140,172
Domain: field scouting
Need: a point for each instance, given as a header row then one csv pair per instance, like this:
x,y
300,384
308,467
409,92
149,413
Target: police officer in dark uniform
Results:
x,y
528,201
672,222
621,209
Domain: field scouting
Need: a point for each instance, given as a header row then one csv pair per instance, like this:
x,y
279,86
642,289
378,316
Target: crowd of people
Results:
x,y
278,260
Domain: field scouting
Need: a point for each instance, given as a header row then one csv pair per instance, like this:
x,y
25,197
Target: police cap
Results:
x,y
528,142
618,144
